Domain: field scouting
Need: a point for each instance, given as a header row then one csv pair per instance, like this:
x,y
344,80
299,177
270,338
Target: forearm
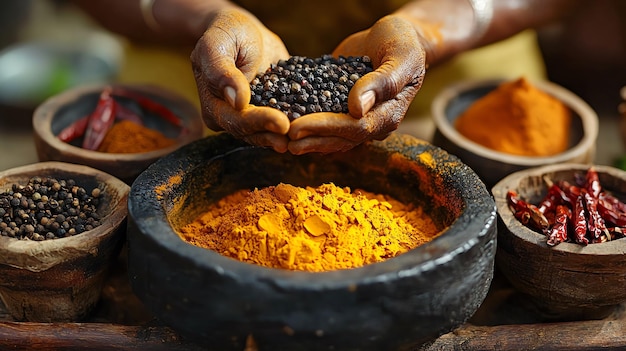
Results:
x,y
179,22
449,27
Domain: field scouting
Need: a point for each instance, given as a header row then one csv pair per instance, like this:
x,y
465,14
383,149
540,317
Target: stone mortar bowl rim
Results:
x,y
203,256
38,255
444,281
589,120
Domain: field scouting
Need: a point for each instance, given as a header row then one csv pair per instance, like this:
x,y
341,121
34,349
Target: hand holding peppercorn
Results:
x,y
232,45
396,83
235,48
378,101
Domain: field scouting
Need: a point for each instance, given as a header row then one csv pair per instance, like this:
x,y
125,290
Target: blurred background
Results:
x,y
47,46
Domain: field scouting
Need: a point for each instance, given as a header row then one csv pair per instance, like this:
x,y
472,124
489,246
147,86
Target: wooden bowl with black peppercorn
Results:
x,y
399,303
62,226
149,122
564,272
517,129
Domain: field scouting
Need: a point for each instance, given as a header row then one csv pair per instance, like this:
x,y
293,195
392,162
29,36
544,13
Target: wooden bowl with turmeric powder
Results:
x,y
301,252
119,129
571,267
499,126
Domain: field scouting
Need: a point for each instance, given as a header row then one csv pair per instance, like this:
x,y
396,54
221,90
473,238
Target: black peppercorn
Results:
x,y
302,85
47,208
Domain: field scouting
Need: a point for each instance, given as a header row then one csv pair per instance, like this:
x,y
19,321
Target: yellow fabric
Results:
x,y
154,65
511,58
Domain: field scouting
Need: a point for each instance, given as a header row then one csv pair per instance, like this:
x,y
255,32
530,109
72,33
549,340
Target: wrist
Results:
x,y
147,12
185,20
483,14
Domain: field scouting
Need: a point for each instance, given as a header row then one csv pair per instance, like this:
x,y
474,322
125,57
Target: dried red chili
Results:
x,y
583,213
569,192
100,121
74,130
611,209
150,105
558,231
548,204
126,114
579,221
95,126
526,213
616,204
593,183
617,232
595,222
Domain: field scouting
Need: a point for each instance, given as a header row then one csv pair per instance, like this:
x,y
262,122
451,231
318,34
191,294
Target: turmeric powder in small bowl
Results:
x,y
311,229
519,119
500,126
117,128
127,137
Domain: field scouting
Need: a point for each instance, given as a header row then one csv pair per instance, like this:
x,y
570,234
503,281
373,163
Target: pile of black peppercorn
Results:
x,y
302,85
47,208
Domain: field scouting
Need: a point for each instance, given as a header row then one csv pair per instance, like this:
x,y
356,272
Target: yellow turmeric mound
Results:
x,y
309,229
518,119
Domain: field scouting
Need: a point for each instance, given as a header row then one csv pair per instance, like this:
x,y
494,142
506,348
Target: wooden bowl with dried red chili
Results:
x,y
561,241
120,129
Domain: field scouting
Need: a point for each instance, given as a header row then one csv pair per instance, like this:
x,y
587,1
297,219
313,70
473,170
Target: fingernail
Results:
x,y
367,101
230,95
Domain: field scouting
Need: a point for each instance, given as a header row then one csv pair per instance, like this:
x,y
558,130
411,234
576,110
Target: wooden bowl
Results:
x,y
491,165
402,302
568,281
60,280
61,110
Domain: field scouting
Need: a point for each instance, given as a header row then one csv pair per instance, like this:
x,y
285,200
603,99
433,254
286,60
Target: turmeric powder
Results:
x,y
519,119
129,137
309,229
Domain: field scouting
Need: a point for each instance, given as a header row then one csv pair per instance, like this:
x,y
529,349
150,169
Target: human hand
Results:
x,y
378,101
233,50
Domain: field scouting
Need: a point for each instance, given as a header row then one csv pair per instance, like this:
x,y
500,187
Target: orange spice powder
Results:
x,y
129,137
310,229
519,119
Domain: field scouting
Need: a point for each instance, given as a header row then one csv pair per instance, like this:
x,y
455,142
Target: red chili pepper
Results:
x,y
100,121
617,232
551,200
595,222
124,113
593,183
569,192
150,105
615,203
595,215
558,232
579,221
610,213
74,130
526,213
